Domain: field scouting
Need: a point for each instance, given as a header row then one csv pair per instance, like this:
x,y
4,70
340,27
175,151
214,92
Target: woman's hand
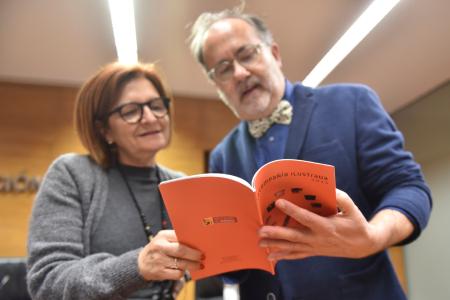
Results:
x,y
164,258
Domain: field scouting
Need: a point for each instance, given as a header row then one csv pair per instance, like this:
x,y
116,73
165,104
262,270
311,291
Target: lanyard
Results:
x,y
164,216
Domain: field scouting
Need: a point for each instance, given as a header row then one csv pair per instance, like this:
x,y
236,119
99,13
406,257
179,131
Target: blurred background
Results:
x,y
49,47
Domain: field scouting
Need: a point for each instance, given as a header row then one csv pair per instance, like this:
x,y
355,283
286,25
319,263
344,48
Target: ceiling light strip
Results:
x,y
377,10
124,28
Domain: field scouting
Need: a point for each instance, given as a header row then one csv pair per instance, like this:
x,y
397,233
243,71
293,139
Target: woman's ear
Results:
x,y
105,132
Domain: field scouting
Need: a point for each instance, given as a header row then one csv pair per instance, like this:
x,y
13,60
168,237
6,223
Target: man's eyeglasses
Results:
x,y
133,112
247,56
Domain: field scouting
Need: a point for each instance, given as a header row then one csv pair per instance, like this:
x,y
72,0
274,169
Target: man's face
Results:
x,y
256,83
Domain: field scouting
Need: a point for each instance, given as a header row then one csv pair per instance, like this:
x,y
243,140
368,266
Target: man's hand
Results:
x,y
346,234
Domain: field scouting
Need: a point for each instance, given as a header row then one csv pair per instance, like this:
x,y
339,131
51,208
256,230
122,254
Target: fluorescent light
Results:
x,y
377,10
122,18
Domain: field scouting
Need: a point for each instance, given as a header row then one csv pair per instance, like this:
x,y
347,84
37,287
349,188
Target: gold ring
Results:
x,y
175,263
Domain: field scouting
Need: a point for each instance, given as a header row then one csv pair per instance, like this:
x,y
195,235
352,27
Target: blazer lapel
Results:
x,y
304,104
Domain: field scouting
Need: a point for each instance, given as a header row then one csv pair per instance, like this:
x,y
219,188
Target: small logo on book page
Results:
x,y
219,220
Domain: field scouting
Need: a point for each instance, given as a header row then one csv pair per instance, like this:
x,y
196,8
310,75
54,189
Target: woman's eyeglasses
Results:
x,y
133,112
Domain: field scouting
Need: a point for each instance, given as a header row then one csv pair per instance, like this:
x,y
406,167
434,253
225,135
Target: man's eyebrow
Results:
x,y
239,50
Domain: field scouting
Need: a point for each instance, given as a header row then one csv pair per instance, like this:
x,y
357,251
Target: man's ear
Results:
x,y
210,80
275,50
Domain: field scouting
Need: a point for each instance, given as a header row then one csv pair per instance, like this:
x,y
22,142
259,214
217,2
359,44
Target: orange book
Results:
x,y
221,214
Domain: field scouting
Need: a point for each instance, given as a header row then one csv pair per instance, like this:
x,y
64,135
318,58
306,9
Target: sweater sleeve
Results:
x,y
58,267
389,175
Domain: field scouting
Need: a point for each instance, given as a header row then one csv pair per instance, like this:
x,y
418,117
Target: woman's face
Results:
x,y
137,144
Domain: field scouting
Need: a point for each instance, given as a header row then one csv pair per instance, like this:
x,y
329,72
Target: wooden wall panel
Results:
x,y
199,126
36,126
397,258
33,120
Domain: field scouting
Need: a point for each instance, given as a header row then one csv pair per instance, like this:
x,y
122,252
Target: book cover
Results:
x,y
221,214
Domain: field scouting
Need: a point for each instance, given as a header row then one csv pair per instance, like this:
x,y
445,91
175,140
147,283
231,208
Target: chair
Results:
x,y
13,284
210,288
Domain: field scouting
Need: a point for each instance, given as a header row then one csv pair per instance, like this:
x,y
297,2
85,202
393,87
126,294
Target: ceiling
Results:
x,y
62,42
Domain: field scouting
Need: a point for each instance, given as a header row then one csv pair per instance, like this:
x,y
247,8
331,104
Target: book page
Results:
x,y
309,185
218,216
216,175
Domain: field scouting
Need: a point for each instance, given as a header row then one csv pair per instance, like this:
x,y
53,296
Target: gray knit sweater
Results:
x,y
67,209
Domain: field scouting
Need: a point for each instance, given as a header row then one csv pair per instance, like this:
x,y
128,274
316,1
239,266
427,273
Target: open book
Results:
x,y
221,214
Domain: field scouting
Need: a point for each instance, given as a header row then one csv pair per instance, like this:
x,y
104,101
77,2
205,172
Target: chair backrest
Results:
x,y
13,284
210,288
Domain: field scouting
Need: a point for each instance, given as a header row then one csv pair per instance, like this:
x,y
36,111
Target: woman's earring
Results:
x,y
109,142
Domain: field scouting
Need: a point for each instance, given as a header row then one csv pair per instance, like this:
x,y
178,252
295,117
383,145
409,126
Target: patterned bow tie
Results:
x,y
281,115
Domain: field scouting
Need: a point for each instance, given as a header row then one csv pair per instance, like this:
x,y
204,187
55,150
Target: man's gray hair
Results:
x,y
206,19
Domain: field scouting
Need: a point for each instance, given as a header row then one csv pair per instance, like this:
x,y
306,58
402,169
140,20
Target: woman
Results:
x,y
99,229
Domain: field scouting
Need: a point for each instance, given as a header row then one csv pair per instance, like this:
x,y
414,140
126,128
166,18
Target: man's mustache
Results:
x,y
247,84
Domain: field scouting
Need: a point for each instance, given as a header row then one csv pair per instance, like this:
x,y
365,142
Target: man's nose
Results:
x,y
240,71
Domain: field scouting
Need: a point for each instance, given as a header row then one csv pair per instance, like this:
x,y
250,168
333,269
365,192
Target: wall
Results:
x,y
428,260
199,126
426,126
36,127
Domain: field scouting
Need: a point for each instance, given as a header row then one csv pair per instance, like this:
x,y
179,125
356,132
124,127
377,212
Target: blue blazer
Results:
x,y
343,125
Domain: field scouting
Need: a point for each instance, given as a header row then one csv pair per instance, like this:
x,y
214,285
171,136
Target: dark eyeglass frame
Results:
x,y
256,50
140,107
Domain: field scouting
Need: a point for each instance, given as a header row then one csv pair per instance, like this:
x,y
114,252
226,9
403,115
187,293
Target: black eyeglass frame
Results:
x,y
166,102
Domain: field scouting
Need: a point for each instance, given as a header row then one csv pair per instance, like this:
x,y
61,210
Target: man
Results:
x,y
382,197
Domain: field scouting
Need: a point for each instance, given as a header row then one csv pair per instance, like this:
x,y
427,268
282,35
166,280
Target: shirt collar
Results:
x,y
288,91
